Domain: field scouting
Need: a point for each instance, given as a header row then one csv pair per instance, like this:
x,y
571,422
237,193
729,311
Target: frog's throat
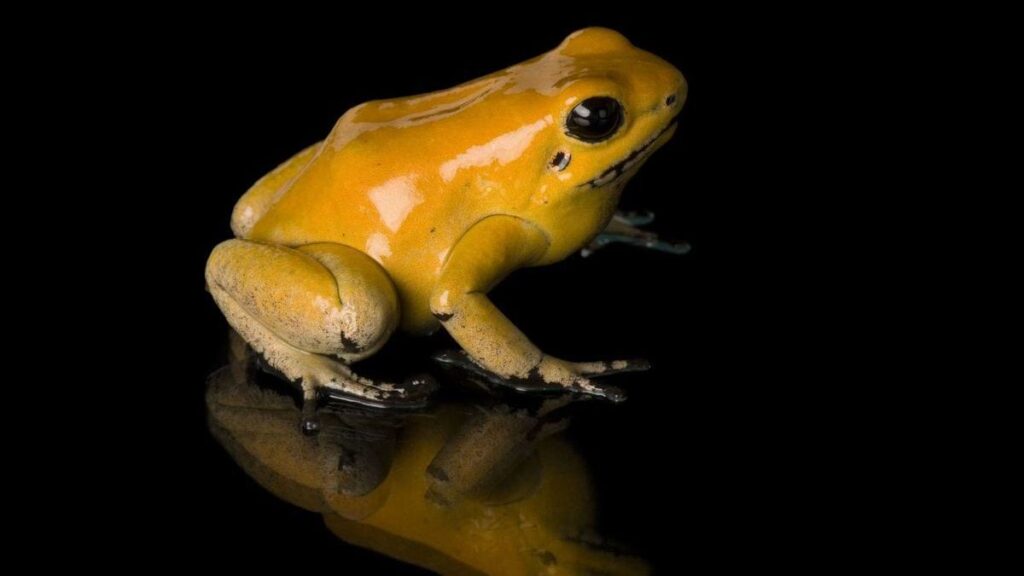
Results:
x,y
634,158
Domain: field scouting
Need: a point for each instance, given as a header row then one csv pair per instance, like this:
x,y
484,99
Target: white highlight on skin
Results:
x,y
350,127
395,199
503,149
471,92
378,247
537,75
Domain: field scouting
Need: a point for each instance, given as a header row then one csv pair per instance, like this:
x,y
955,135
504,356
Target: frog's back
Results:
x,y
399,180
384,172
352,196
383,182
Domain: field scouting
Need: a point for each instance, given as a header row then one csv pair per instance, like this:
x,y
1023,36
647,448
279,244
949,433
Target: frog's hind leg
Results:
x,y
310,311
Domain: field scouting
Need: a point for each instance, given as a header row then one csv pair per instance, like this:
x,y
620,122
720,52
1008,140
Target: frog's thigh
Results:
x,y
320,298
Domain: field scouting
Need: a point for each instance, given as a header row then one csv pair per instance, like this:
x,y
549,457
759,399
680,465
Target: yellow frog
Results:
x,y
412,209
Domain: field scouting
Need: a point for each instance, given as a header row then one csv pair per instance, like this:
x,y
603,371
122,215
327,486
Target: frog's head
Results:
x,y
551,140
612,105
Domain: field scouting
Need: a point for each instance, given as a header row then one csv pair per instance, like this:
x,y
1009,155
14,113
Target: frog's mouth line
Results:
x,y
634,158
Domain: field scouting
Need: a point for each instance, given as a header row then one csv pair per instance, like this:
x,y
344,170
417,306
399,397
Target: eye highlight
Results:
x,y
594,119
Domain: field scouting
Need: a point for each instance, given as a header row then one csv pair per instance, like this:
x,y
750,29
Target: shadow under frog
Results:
x,y
463,489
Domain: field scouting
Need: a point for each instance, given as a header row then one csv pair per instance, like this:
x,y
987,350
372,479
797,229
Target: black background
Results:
x,y
694,469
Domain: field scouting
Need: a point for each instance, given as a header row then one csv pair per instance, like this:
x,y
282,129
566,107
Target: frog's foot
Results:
x,y
553,375
324,379
624,228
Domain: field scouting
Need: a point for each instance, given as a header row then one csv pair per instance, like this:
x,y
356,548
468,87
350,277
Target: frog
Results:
x,y
412,209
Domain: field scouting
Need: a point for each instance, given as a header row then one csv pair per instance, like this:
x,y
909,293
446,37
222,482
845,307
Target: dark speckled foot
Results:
x,y
412,394
534,384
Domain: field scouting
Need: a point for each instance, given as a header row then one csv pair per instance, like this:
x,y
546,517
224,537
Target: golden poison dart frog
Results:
x,y
412,209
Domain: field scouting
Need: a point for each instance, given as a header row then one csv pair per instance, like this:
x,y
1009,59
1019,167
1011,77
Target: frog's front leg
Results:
x,y
299,307
484,256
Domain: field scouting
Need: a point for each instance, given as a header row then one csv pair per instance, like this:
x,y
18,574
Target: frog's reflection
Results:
x,y
459,489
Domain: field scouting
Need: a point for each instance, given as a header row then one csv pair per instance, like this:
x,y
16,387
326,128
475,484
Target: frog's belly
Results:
x,y
415,302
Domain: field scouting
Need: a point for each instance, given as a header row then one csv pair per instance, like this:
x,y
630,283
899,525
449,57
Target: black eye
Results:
x,y
594,119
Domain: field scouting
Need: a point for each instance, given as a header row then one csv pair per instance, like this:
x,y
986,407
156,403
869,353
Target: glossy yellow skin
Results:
x,y
446,193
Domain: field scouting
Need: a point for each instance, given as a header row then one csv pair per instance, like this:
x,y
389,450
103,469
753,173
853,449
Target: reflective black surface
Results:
x,y
482,481
694,469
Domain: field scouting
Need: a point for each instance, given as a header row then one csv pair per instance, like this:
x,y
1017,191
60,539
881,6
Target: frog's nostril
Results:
x,y
670,100
560,161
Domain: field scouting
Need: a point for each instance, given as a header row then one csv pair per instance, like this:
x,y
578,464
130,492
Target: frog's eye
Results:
x,y
594,119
